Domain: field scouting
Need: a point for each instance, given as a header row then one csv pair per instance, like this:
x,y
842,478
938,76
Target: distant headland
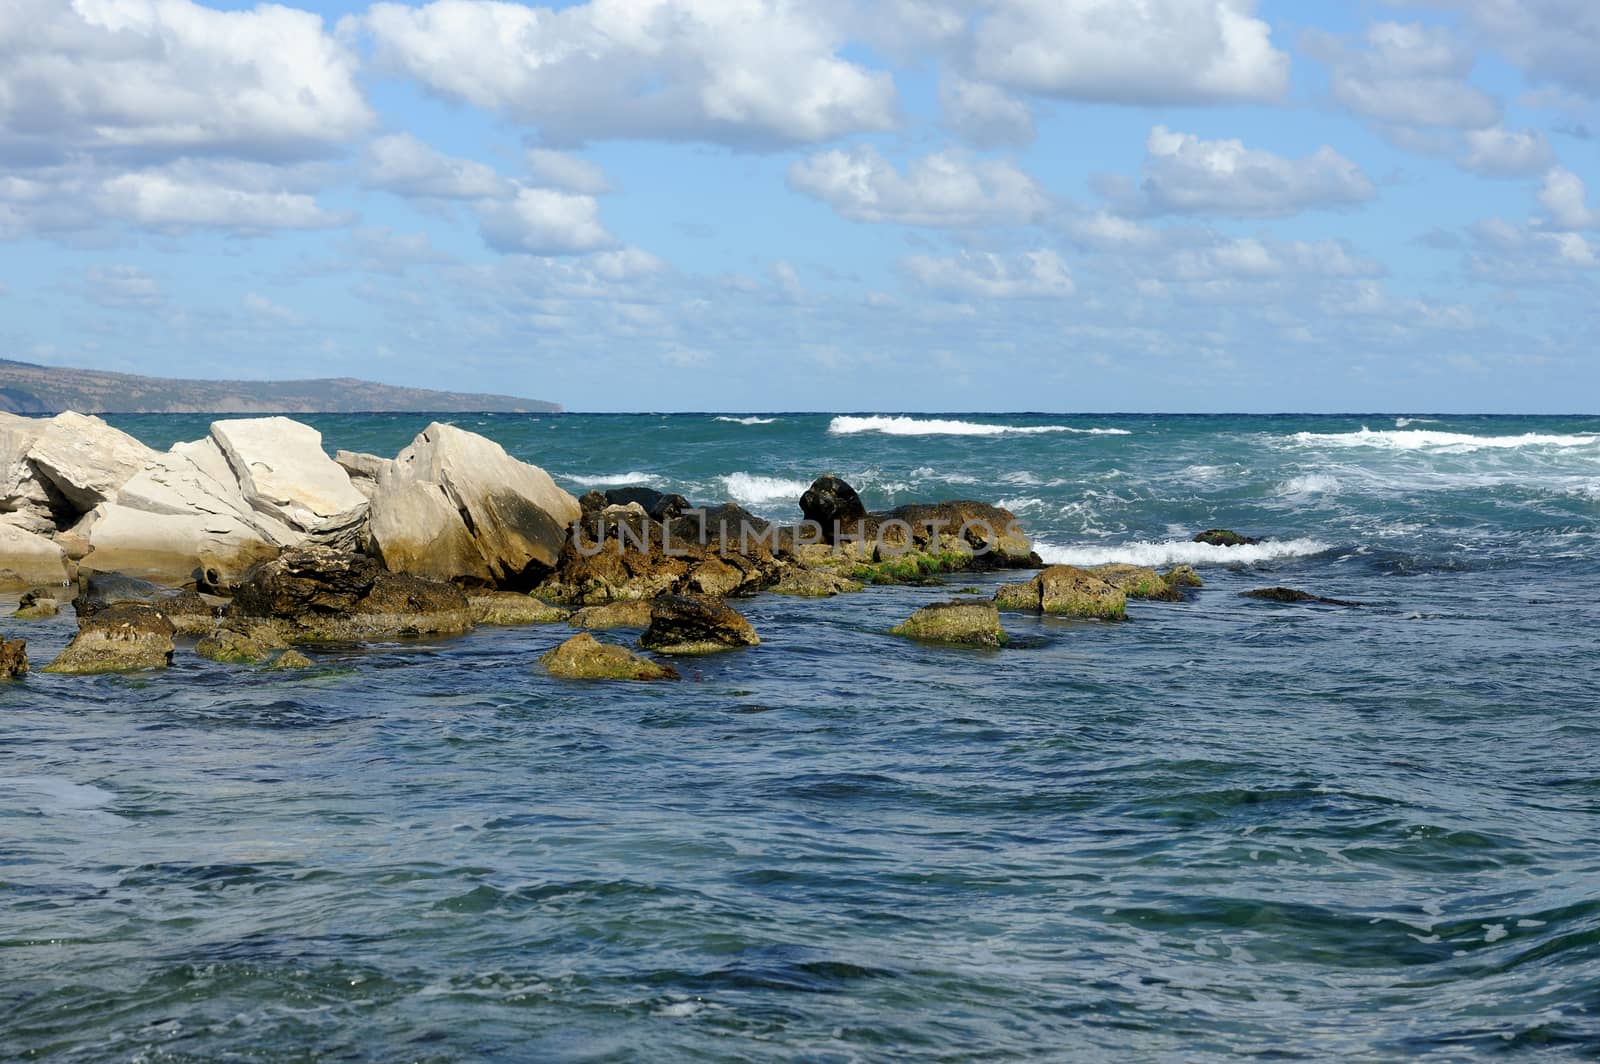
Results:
x,y
26,388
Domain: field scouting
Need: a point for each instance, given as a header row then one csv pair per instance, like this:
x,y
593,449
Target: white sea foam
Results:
x,y
1311,484
614,480
911,426
1021,504
1445,442
747,420
1177,552
1402,422
750,489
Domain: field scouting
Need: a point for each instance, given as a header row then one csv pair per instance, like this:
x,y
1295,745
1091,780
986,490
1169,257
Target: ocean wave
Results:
x,y
1433,440
750,489
910,426
747,420
614,480
1402,422
1177,552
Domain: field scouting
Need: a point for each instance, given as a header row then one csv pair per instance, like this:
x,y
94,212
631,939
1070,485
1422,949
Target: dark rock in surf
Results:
x,y
1289,594
1225,537
695,624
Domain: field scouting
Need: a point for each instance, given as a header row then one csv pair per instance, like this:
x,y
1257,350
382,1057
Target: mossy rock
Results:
x,y
1138,582
814,583
1225,537
510,608
627,613
1182,576
292,659
583,657
1065,591
974,624
37,605
913,567
118,639
13,658
695,624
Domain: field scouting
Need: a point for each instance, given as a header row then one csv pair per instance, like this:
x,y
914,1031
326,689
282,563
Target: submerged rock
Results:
x,y
583,657
626,613
957,622
292,659
1065,591
37,604
814,583
232,646
513,608
120,638
13,658
695,624
1180,577
319,594
1289,594
1225,537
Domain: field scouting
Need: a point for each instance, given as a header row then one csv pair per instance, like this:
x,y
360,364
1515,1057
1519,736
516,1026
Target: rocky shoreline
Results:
x,y
254,541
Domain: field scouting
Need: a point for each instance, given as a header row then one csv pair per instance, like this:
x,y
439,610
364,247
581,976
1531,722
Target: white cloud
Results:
x,y
984,115
123,287
237,197
755,73
269,312
402,164
788,279
555,169
1500,152
1144,52
945,189
172,76
1186,175
1408,74
1551,40
1564,195
1249,258
540,221
1504,253
1105,231
984,275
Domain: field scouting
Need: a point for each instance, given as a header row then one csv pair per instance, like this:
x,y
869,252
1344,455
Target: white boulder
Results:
x,y
283,472
28,561
85,459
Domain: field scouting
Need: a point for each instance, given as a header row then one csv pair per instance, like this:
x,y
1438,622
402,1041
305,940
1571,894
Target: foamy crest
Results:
x,y
1177,552
749,489
911,426
747,420
1310,484
614,480
1447,442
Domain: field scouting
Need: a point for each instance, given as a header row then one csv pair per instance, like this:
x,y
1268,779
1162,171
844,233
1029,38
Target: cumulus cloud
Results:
x,y
1186,175
1408,74
1037,274
945,189
167,77
984,115
757,74
1564,195
555,169
539,221
1150,52
1500,152
1508,254
402,164
1551,40
185,195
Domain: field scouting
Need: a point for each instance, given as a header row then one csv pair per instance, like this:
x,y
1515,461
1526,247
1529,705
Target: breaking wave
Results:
x,y
1430,440
1178,552
615,480
911,426
750,489
747,420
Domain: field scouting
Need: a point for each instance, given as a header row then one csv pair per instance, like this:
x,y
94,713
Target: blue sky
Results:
x,y
758,204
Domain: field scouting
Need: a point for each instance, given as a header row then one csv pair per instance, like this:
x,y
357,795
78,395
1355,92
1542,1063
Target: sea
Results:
x,y
1227,828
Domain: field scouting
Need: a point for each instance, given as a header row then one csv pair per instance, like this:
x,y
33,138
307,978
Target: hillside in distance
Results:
x,y
29,389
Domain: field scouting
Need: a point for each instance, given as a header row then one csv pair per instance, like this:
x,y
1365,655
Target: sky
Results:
x,y
884,205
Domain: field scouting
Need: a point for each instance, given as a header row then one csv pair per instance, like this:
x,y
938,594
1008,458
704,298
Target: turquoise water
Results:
x,y
1227,828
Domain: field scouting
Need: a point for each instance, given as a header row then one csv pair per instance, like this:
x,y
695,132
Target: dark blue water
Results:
x,y
1226,828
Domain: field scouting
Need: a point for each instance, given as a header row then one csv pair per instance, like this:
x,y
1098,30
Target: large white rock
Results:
x,y
27,560
85,459
416,529
283,472
514,513
25,500
212,550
